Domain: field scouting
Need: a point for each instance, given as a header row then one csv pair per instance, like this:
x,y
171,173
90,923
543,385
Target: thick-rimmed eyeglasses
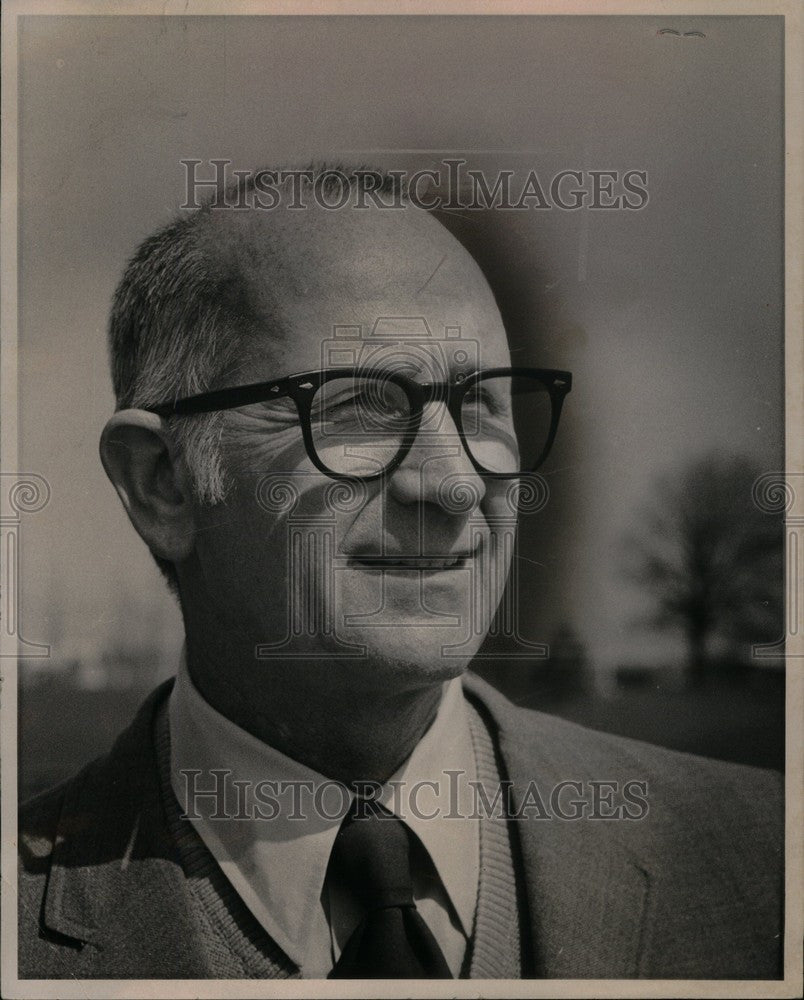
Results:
x,y
361,424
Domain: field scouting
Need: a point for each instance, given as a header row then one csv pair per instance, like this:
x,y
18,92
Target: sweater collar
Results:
x,y
276,855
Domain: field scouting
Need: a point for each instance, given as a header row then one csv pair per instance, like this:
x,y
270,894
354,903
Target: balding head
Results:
x,y
223,292
205,280
282,270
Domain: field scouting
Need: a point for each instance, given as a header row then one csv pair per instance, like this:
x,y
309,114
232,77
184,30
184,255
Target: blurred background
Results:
x,y
654,571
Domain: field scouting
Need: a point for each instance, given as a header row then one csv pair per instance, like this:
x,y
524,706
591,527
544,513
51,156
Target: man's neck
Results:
x,y
308,711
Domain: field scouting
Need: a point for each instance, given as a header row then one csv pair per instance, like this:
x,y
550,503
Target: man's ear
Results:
x,y
151,480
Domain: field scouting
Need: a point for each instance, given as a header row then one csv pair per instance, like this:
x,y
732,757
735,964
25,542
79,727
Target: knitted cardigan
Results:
x,y
236,945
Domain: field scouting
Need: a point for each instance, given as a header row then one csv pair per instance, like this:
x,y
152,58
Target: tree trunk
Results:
x,y
696,654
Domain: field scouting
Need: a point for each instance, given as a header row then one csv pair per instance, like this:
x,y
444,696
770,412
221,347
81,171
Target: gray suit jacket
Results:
x,y
692,890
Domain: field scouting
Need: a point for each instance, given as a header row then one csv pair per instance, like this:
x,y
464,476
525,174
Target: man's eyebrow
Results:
x,y
232,373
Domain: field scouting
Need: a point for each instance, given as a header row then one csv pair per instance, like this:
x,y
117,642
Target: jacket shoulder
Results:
x,y
543,739
82,825
704,819
38,823
43,818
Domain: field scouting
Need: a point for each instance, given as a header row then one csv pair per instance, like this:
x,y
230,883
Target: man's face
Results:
x,y
396,578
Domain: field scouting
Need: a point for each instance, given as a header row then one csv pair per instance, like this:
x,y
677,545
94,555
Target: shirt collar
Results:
x,y
278,865
442,767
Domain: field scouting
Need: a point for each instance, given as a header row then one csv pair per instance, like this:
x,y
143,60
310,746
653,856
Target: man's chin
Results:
x,y
406,656
422,634
407,668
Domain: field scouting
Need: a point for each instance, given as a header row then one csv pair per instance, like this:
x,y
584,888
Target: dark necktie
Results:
x,y
371,859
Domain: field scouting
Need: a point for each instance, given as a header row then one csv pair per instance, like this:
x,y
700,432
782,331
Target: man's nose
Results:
x,y
437,469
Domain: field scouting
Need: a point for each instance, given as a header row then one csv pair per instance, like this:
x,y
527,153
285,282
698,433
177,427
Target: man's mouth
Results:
x,y
456,560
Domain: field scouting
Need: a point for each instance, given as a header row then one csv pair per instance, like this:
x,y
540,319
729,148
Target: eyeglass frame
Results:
x,y
302,387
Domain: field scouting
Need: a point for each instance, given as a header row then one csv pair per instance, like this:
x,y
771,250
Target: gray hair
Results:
x,y
179,316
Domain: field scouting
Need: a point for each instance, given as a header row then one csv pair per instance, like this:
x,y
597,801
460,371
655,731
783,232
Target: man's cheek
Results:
x,y
269,475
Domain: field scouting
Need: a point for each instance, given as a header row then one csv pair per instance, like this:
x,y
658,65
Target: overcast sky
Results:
x,y
669,317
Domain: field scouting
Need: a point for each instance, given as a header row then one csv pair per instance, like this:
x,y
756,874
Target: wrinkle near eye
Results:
x,y
265,432
268,417
282,409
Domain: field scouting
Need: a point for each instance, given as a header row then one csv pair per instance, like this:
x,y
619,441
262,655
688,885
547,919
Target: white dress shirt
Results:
x,y
278,863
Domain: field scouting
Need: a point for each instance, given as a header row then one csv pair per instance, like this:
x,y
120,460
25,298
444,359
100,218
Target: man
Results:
x,y
316,436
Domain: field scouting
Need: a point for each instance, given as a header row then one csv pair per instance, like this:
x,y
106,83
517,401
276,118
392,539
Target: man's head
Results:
x,y
267,551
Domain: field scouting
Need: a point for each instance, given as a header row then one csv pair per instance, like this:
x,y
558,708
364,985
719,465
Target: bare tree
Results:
x,y
709,558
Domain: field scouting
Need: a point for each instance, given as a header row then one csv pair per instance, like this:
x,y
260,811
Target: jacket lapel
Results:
x,y
586,893
114,880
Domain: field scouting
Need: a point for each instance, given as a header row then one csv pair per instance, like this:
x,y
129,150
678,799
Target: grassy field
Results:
x,y
730,723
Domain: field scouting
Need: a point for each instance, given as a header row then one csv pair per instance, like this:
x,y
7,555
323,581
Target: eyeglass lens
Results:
x,y
359,424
